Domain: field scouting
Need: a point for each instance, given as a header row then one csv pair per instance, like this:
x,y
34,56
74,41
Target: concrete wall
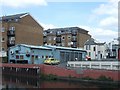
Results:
x,y
107,65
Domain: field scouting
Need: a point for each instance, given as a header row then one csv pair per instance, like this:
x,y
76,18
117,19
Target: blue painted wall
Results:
x,y
34,56
37,55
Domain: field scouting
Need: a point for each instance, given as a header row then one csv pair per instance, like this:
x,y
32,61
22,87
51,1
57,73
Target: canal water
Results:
x,y
16,82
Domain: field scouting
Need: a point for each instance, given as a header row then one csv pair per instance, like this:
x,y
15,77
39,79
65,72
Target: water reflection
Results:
x,y
27,82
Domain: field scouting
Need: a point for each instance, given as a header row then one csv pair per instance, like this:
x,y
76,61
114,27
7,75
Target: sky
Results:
x,y
99,17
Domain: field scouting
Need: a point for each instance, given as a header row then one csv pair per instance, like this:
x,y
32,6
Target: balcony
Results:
x,y
11,33
44,34
58,40
74,45
58,34
10,43
45,40
74,39
74,33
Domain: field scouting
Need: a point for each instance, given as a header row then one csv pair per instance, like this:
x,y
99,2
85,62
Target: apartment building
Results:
x,y
19,29
95,49
74,37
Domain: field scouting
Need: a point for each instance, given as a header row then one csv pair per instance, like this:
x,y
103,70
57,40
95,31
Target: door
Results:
x,y
32,59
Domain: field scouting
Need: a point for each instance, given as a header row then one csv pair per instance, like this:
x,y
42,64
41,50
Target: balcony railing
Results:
x,y
74,45
74,39
11,33
58,40
10,43
45,34
45,40
58,33
74,33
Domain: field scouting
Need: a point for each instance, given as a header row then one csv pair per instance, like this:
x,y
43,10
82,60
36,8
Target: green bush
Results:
x,y
48,77
87,78
104,78
4,59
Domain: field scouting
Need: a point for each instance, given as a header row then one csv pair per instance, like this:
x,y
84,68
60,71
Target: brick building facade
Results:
x,y
74,37
19,29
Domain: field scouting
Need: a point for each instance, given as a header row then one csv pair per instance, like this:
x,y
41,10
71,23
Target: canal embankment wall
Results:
x,y
37,70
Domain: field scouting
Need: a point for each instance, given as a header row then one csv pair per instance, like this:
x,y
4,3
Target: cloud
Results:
x,y
102,35
106,15
109,21
48,26
22,3
106,18
109,8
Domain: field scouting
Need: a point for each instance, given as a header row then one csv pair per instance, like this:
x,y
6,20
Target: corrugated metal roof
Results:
x,y
65,48
35,47
48,47
32,46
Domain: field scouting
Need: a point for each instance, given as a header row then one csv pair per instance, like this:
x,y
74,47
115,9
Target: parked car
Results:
x,y
88,58
52,61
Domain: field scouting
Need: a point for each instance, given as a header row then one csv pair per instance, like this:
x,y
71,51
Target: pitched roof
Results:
x,y
92,41
13,16
66,29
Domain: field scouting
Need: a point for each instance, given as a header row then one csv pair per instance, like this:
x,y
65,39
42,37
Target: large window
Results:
x,y
87,47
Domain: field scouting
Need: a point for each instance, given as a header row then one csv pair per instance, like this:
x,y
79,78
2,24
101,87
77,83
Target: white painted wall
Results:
x,y
99,50
108,65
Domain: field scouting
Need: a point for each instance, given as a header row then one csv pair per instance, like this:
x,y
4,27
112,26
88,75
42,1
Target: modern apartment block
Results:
x,y
19,29
74,37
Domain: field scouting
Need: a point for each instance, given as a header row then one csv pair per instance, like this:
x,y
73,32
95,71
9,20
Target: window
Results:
x,y
21,57
69,37
17,51
69,43
50,31
12,28
54,38
63,44
94,49
87,47
49,38
63,38
3,49
36,56
16,19
42,56
2,29
89,54
17,57
3,39
46,56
